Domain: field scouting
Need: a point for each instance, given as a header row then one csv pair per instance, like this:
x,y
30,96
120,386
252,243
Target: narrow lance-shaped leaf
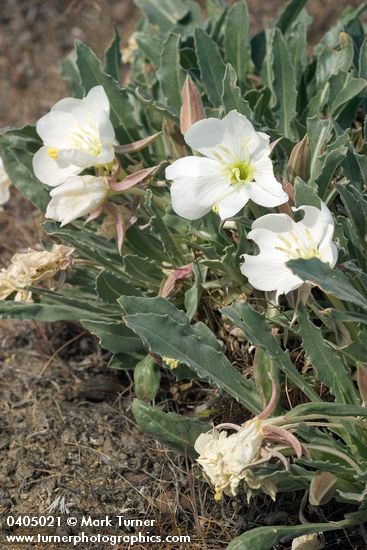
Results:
x,y
284,86
231,94
265,538
254,326
164,14
170,74
289,14
329,368
330,281
167,332
17,148
211,65
112,58
175,430
236,40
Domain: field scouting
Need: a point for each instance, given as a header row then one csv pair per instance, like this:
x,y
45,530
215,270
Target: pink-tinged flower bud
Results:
x,y
192,109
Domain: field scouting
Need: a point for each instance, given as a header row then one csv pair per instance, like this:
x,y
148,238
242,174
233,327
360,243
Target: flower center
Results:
x,y
239,172
299,245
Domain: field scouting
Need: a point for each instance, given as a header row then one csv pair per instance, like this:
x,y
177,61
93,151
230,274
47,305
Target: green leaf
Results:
x,y
255,327
284,86
343,88
164,14
88,244
122,111
304,194
115,337
326,409
328,366
41,312
329,280
109,288
175,430
212,67
332,61
112,58
356,207
69,72
236,40
362,66
265,538
289,14
170,74
17,148
193,295
151,46
231,94
167,332
325,157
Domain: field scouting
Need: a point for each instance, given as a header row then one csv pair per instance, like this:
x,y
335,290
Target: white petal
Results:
x,y
266,190
205,135
264,197
97,100
241,137
268,243
77,197
327,249
192,198
193,166
54,128
268,274
234,200
317,220
278,223
67,104
52,171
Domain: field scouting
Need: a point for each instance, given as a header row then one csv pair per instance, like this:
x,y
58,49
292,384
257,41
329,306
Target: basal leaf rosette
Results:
x,y
233,168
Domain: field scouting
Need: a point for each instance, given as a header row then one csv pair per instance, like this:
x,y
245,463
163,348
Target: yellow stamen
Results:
x,y
52,153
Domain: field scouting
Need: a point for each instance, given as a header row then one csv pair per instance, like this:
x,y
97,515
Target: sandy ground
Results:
x,y
68,443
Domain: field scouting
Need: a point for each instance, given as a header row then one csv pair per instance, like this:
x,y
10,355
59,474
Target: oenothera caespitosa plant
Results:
x,y
231,171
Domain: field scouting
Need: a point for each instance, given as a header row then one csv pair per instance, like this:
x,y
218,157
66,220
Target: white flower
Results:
x,y
77,133
281,239
225,458
5,184
78,196
234,168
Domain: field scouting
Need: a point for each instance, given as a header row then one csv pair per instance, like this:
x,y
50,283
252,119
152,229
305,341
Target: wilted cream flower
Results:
x,y
31,267
5,184
225,458
228,461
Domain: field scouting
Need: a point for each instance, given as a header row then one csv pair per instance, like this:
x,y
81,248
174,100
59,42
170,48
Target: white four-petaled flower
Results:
x,y
77,134
78,196
234,167
281,239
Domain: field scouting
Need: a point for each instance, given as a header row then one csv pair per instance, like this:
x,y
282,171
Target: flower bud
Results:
x,y
192,108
